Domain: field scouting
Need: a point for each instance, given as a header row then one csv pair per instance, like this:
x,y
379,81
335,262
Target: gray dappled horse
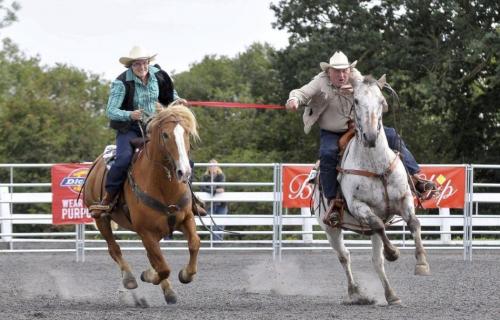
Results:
x,y
375,186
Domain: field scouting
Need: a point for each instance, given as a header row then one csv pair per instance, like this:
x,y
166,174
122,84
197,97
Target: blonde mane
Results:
x,y
180,112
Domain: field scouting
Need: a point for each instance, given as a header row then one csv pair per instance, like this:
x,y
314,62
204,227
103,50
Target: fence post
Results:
x,y
80,242
444,213
277,221
307,225
468,208
5,212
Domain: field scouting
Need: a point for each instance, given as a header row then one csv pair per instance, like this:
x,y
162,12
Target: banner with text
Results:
x,y
450,181
67,181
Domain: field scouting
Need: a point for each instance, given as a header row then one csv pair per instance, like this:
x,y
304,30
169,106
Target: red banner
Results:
x,y
451,183
67,181
296,192
450,180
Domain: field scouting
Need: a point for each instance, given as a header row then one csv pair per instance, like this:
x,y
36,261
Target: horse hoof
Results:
x,y
143,277
422,270
129,284
394,301
391,255
170,297
129,281
184,277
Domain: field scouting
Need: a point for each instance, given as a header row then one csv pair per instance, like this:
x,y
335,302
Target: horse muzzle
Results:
x,y
183,174
370,139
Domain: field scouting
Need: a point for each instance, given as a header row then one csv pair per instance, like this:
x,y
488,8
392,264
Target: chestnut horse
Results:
x,y
156,198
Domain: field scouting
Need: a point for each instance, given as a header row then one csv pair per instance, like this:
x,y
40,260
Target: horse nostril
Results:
x,y
365,137
179,173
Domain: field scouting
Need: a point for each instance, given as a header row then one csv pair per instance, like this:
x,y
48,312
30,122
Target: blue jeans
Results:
x,y
329,151
124,153
218,208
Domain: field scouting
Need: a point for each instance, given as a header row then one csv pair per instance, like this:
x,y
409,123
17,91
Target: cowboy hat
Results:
x,y
338,61
136,53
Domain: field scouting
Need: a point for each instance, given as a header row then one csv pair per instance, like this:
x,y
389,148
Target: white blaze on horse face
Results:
x,y
183,169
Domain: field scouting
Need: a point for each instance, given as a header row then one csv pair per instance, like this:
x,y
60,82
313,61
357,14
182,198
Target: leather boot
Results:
x,y
96,211
426,188
199,206
332,216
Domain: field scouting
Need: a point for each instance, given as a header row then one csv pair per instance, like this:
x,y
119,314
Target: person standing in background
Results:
x,y
214,174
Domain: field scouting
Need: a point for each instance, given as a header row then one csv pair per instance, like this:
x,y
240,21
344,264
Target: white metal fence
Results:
x,y
260,223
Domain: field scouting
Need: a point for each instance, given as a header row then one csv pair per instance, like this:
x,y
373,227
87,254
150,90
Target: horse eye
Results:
x,y
164,135
355,101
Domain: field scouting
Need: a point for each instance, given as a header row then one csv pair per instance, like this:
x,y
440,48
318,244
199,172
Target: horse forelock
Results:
x,y
369,80
365,87
177,113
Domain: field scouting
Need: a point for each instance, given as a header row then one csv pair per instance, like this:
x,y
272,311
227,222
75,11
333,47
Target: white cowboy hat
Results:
x,y
136,53
338,61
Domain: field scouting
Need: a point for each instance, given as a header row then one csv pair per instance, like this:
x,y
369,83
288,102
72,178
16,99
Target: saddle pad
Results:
x,y
109,155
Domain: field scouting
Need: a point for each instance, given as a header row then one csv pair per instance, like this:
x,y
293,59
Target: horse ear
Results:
x,y
381,82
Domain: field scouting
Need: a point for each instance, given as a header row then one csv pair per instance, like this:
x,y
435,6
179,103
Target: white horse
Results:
x,y
374,183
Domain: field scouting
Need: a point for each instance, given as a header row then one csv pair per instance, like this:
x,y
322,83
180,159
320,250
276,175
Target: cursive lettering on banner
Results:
x,y
299,188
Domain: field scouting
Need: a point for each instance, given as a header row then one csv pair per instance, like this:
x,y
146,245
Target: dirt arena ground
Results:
x,y
248,285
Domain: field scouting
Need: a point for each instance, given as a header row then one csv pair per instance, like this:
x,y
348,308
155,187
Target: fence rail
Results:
x,y
276,229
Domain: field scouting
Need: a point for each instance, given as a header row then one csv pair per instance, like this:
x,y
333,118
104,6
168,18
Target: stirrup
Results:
x,y
425,189
100,210
332,215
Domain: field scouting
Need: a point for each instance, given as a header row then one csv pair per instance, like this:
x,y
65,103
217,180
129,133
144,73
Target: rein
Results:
x,y
169,166
382,176
169,210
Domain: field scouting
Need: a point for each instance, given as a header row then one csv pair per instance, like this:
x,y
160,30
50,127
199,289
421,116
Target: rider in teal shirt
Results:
x,y
145,97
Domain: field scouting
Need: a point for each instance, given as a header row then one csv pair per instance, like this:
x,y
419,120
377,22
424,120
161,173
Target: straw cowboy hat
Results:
x,y
136,53
337,61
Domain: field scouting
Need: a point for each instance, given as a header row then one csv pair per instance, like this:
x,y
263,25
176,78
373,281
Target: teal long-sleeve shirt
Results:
x,y
145,96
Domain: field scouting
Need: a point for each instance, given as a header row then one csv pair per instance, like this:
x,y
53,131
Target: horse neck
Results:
x,y
376,158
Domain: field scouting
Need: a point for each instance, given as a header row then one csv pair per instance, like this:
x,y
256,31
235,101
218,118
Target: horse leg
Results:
x,y
366,215
160,270
188,228
334,236
378,263
422,266
104,226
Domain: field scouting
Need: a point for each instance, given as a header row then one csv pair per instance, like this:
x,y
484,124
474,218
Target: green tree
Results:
x,y
441,56
8,13
49,114
228,134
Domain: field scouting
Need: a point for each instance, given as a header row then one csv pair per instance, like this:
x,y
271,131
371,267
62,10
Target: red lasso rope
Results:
x,y
221,104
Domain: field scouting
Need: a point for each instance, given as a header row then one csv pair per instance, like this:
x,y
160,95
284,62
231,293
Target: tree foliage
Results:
x,y
8,13
49,114
441,56
239,135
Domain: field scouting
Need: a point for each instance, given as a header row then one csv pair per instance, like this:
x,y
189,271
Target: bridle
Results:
x,y
168,165
382,176
359,125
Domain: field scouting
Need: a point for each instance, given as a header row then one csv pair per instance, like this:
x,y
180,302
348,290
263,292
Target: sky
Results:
x,y
93,34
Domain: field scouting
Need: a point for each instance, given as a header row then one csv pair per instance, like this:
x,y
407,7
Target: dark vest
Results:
x,y
165,96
